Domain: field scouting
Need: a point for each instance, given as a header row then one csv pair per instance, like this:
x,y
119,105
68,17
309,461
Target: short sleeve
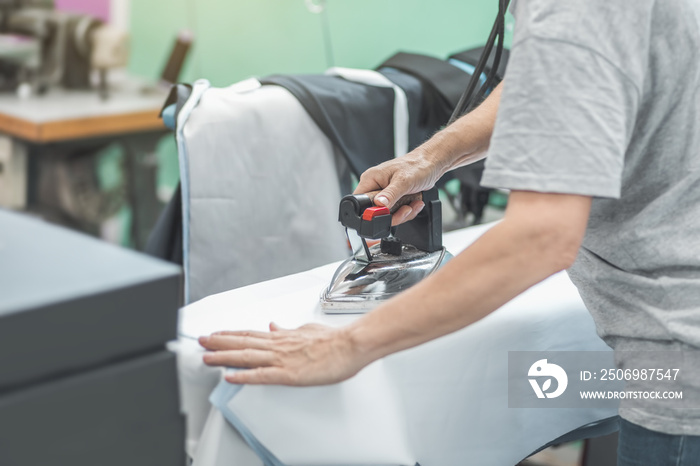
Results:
x,y
564,122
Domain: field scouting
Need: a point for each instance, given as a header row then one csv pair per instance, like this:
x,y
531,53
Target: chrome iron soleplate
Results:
x,y
358,287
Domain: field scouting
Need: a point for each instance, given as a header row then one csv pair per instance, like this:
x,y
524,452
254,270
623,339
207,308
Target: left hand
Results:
x,y
311,355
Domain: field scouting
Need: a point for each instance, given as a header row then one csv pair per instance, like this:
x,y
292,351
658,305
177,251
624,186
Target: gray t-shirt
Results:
x,y
602,98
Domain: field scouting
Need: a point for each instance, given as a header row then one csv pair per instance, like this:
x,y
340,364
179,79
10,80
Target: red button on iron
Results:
x,y
372,212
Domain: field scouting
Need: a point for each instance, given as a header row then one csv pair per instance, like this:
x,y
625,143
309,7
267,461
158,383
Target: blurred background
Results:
x,y
225,42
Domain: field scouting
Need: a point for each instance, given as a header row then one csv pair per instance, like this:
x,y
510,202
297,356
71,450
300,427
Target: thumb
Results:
x,y
391,194
274,327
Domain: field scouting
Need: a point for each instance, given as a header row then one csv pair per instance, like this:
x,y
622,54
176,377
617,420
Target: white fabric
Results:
x,y
401,115
452,392
198,90
343,421
259,185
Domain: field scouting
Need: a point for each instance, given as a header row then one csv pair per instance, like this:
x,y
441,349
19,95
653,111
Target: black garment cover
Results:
x,y
357,118
443,84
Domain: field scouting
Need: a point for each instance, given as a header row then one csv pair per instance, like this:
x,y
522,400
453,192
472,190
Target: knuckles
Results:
x,y
246,355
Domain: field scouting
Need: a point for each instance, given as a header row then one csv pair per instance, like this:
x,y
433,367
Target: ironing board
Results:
x,y
442,403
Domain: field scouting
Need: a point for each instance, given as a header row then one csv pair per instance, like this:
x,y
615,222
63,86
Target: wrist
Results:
x,y
363,346
466,139
448,146
434,156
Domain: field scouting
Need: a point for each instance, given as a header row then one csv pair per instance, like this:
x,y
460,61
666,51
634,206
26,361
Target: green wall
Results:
x,y
236,39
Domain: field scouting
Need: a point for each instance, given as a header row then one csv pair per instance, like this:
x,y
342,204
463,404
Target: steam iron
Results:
x,y
406,254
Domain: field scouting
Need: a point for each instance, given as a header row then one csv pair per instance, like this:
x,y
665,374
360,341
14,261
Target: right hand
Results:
x,y
410,174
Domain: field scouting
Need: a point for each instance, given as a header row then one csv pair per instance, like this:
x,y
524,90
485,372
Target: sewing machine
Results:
x,y
41,47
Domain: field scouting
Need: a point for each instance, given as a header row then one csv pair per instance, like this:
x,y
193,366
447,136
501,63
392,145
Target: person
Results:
x,y
596,132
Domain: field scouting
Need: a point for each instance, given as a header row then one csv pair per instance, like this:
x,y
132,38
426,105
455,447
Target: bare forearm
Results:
x,y
467,139
495,269
504,262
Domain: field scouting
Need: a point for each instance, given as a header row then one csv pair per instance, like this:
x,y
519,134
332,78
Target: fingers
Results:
x,y
400,216
367,185
278,360
261,376
241,358
391,178
373,179
234,342
397,188
407,213
274,327
244,333
416,208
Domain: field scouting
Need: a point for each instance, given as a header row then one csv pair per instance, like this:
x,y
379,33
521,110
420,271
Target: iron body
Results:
x,y
407,254
358,286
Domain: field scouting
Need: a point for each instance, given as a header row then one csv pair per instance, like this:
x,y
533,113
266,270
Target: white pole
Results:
x,y
120,13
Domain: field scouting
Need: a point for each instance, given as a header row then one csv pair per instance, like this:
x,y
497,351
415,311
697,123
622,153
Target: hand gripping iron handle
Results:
x,y
406,200
358,212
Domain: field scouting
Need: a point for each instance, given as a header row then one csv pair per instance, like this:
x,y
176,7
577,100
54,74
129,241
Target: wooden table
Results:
x,y
69,115
63,123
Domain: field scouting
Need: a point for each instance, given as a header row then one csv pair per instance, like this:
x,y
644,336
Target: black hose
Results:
x,y
493,74
466,97
471,95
